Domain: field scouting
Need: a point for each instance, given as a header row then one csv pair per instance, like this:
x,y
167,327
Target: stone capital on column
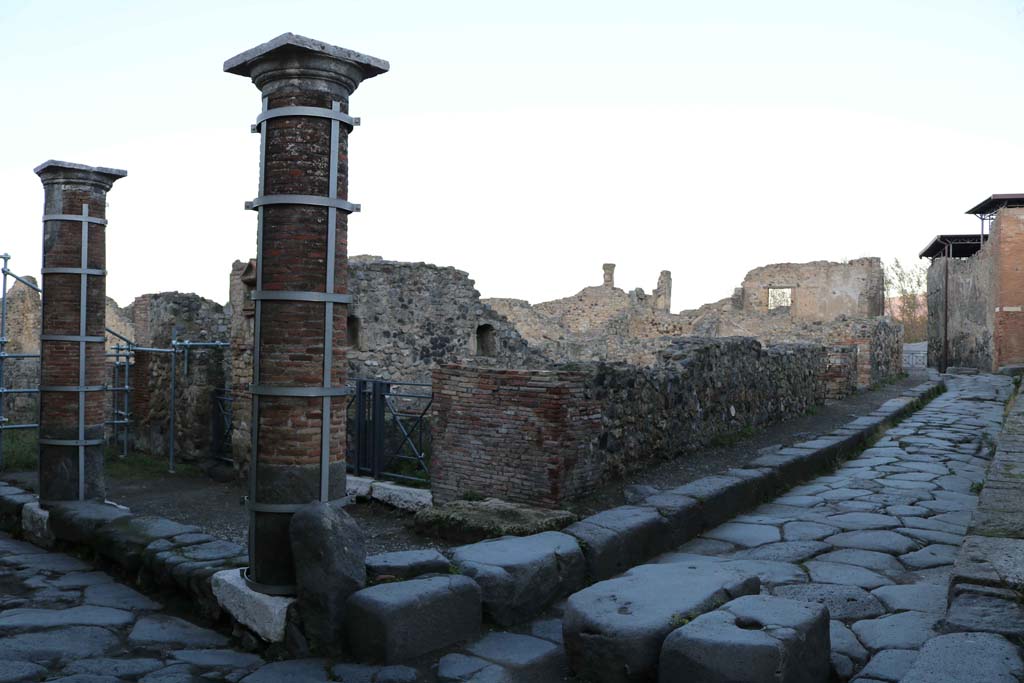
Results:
x,y
290,60
102,178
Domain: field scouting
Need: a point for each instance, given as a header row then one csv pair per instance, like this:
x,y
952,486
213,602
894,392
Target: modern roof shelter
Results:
x,y
954,246
996,202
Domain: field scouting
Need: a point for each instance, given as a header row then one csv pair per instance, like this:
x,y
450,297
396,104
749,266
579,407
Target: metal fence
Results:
x,y
388,430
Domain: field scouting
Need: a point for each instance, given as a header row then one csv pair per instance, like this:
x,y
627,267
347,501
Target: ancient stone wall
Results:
x,y
820,290
970,307
841,371
546,436
405,320
156,318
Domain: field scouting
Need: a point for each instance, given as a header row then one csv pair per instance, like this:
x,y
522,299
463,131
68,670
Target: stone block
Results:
x,y
988,609
395,622
967,657
682,517
78,521
266,615
755,639
520,576
401,497
330,565
617,539
526,657
123,540
405,564
35,525
721,497
469,521
614,629
10,508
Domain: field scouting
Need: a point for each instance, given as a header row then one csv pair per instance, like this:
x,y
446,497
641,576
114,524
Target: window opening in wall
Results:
x,y
486,341
780,297
353,333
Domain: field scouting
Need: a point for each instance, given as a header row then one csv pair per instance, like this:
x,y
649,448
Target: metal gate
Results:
x,y
388,430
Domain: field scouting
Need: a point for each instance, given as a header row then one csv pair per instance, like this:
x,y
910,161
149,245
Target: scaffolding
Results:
x,y
120,386
5,423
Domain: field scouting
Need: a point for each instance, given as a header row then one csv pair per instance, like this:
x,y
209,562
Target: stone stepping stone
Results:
x,y
528,658
520,576
845,574
902,631
28,619
806,531
844,603
119,596
888,665
162,629
786,551
967,657
930,556
880,541
753,638
863,520
618,626
869,559
67,643
745,535
919,597
845,642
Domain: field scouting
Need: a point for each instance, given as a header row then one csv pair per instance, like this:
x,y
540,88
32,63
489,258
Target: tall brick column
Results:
x,y
73,363
299,363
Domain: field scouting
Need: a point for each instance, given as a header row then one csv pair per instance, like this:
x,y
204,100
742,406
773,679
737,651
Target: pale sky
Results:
x,y
528,142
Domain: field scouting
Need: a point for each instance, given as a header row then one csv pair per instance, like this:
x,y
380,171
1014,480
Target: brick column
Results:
x,y
73,363
299,364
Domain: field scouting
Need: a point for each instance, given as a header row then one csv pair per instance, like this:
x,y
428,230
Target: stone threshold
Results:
x,y
508,580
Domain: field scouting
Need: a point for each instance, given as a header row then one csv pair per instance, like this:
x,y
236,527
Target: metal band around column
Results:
x,y
303,199
83,218
321,297
315,112
73,271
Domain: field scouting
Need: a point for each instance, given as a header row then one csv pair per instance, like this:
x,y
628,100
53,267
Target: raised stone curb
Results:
x,y
396,622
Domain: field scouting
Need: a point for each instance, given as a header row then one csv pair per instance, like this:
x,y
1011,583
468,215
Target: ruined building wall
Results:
x,y
548,436
821,290
405,320
155,318
1008,305
970,307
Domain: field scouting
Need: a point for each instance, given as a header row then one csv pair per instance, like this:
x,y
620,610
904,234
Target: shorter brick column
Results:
x,y
73,363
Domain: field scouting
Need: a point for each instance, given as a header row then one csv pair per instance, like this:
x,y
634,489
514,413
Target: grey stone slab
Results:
x,y
406,564
721,497
920,597
614,629
930,556
682,514
707,546
957,484
530,658
913,476
902,631
880,541
617,539
123,668
947,505
306,670
459,668
68,643
978,609
81,580
124,539
843,602
806,531
744,535
219,659
167,630
933,524
395,622
119,596
769,572
175,673
548,629
845,574
862,520
902,485
752,638
520,576
786,551
18,672
48,562
930,536
889,665
844,494
967,657
869,559
28,619
857,506
78,521
957,517
9,546
845,642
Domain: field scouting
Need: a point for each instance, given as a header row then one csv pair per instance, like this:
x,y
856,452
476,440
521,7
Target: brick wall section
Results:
x,y
841,371
879,344
1008,233
545,436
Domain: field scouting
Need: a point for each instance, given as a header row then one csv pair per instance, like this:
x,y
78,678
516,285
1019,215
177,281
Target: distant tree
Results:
x,y
906,298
